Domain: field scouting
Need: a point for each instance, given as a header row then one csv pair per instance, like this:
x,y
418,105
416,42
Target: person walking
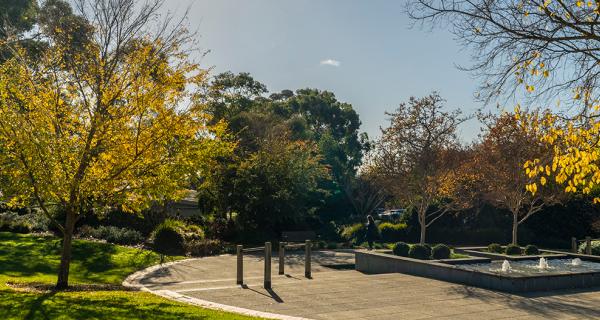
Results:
x,y
372,232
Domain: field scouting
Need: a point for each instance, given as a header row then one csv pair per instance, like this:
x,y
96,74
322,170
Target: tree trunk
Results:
x,y
65,259
423,227
515,226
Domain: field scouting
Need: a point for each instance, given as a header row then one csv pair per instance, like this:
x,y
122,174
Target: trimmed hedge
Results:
x,y
419,251
495,248
401,249
440,251
513,249
428,248
531,250
393,232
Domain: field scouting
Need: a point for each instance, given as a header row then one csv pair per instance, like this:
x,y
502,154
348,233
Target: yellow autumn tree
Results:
x,y
499,157
105,117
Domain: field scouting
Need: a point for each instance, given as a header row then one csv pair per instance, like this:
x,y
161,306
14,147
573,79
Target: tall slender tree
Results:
x,y
417,157
499,158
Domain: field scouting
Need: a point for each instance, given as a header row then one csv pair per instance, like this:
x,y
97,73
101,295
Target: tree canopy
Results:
x,y
325,131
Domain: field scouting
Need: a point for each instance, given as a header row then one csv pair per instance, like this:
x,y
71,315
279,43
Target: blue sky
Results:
x,y
363,51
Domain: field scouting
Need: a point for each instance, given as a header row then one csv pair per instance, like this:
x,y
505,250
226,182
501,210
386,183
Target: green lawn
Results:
x,y
455,255
27,259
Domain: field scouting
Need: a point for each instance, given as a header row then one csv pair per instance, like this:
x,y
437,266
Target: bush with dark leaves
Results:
x,y
440,251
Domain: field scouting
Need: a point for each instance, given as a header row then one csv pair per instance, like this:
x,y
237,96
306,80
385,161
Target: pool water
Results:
x,y
525,268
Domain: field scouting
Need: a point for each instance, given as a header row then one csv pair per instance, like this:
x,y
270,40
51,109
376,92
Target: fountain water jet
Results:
x,y
505,266
543,264
576,262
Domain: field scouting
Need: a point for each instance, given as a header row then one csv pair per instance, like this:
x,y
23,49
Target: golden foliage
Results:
x,y
575,161
114,130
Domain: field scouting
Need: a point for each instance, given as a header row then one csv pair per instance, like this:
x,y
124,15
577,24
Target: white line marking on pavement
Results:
x,y
232,286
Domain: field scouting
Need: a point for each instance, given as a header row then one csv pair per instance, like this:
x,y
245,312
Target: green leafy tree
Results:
x,y
18,16
307,115
279,184
334,125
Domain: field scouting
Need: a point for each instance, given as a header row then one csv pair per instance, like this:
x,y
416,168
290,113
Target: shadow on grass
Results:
x,y
22,257
94,257
97,305
37,257
36,307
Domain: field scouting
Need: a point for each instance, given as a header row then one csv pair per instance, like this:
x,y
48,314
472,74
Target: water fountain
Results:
x,y
576,262
543,264
505,266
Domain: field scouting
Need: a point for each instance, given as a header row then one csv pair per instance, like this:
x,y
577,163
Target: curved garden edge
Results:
x,y
132,281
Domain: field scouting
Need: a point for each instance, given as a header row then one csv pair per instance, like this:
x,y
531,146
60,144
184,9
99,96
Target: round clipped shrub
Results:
x,y
428,248
440,251
495,248
513,249
401,249
419,251
167,238
531,250
392,232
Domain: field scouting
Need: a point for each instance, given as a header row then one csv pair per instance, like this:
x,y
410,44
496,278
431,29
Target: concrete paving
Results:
x,y
336,292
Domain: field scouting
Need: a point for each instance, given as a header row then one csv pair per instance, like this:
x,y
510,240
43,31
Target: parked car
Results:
x,y
391,214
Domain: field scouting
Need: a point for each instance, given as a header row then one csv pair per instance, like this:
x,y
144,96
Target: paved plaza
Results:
x,y
338,292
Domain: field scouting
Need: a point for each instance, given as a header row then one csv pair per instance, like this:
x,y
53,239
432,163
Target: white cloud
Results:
x,y
330,62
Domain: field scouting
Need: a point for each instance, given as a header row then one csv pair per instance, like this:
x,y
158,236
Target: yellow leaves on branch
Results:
x,y
531,188
576,155
530,69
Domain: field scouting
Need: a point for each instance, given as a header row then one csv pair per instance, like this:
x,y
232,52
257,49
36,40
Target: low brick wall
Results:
x,y
376,263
